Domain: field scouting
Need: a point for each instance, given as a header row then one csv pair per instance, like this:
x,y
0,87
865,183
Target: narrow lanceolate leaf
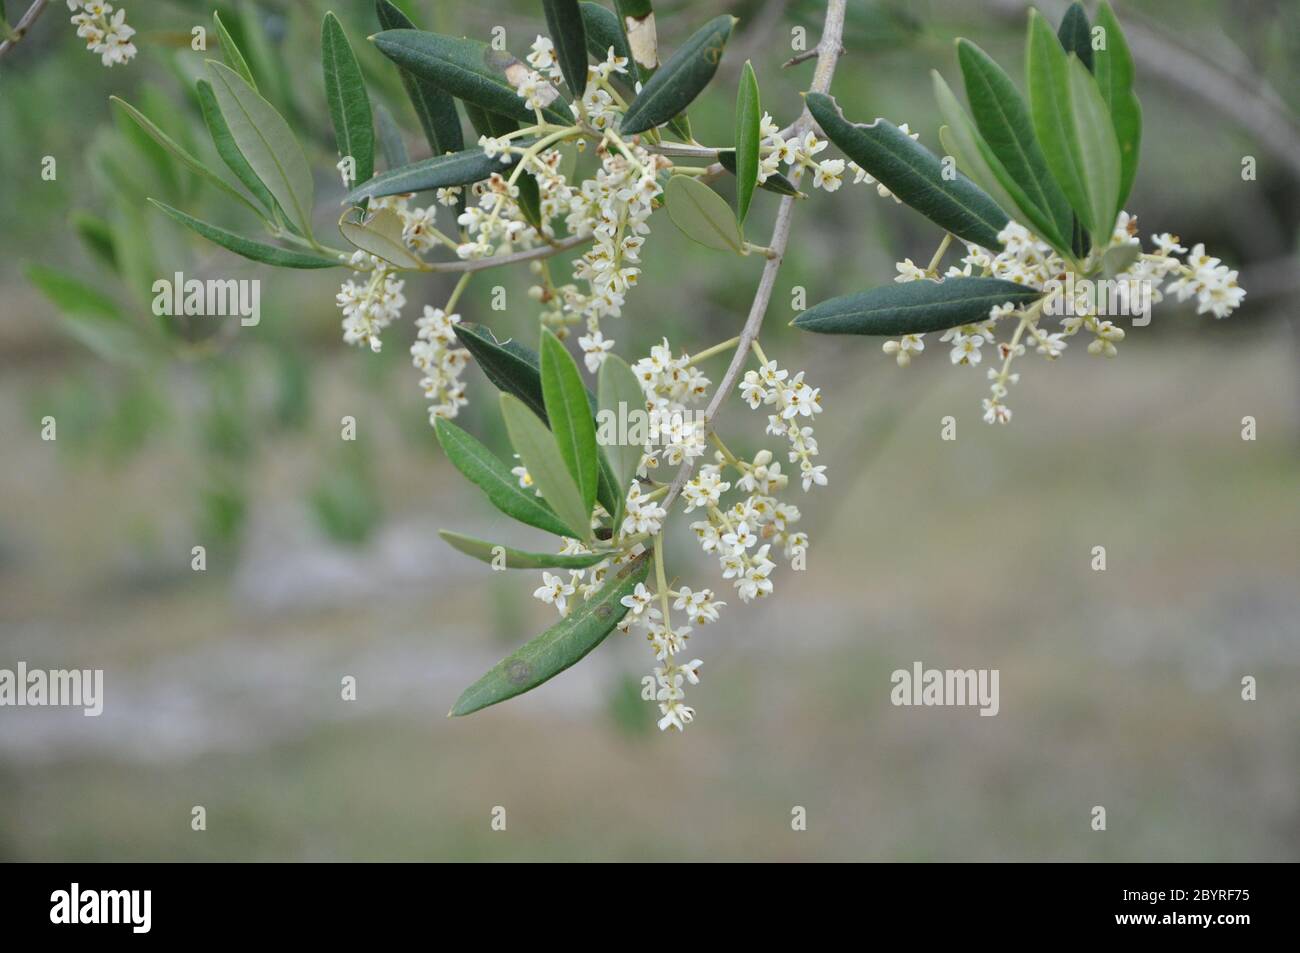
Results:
x,y
541,457
434,106
391,143
602,30
381,235
913,173
498,555
1098,150
681,79
225,145
1058,115
565,25
231,53
569,415
914,307
436,172
1075,34
345,91
748,115
620,397
175,148
702,214
469,70
257,251
266,142
482,468
560,646
514,368
1004,122
1113,65
775,181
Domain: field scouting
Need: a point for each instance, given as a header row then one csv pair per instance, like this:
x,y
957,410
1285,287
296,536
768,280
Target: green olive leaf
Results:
x,y
434,106
913,173
349,104
749,113
561,645
380,234
496,554
682,78
564,22
435,172
702,214
469,70
1113,65
482,468
914,307
265,140
257,251
568,412
541,456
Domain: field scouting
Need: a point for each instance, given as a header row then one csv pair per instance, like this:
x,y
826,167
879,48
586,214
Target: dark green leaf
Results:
x,y
345,91
482,468
748,115
1075,35
516,558
434,106
267,142
512,367
565,25
468,69
914,307
268,254
560,646
541,456
436,172
775,181
1113,65
1098,150
913,173
682,78
1003,121
568,413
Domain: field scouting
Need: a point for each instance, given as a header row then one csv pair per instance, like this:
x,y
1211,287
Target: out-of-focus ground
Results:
x,y
1118,688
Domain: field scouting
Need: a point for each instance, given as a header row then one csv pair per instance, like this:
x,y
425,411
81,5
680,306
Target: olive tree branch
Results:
x,y
21,27
828,54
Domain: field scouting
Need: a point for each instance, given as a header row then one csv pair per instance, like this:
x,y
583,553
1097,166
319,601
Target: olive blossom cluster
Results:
x,y
105,31
1026,260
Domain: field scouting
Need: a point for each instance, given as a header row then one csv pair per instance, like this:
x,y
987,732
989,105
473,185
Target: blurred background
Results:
x,y
1119,688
